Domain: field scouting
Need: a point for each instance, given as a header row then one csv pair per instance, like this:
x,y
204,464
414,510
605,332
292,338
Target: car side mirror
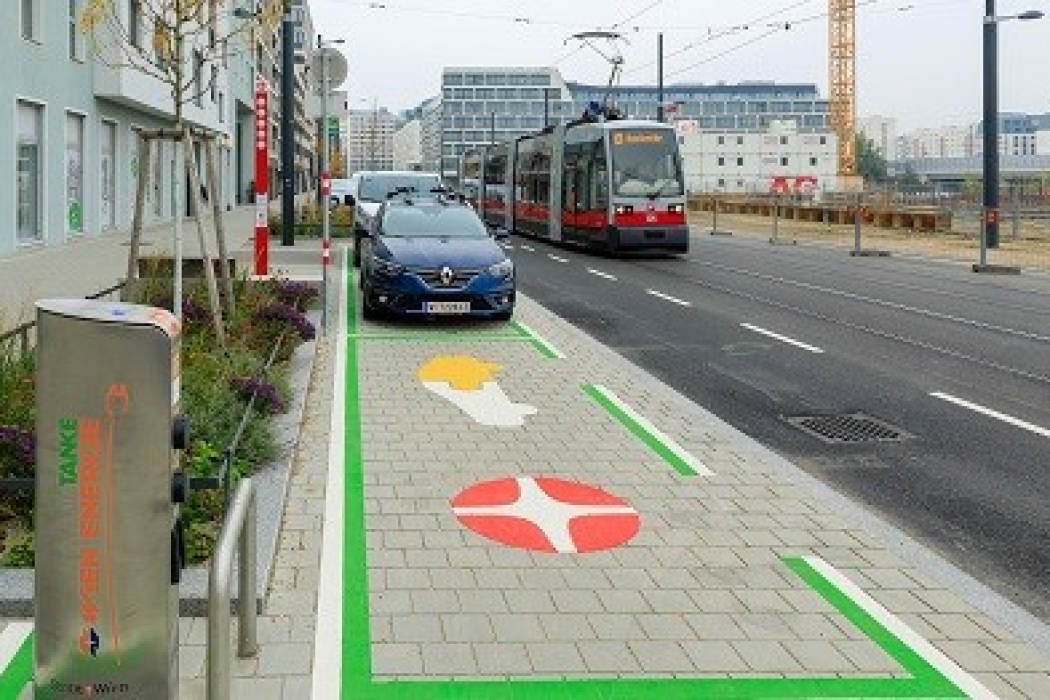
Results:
x,y
349,200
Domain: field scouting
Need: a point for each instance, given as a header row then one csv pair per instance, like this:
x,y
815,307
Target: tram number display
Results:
x,y
638,138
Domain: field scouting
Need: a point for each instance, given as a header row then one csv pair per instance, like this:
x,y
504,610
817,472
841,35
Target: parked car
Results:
x,y
367,190
433,256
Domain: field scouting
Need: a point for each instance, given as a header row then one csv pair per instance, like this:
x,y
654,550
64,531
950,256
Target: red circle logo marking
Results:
x,y
547,515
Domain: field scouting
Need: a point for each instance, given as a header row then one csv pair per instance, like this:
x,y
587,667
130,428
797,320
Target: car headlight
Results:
x,y
502,270
387,268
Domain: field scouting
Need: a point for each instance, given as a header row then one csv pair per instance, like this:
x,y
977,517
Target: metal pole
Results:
x,y
492,129
176,212
1016,211
714,215
776,218
287,127
325,220
660,77
991,129
247,593
546,107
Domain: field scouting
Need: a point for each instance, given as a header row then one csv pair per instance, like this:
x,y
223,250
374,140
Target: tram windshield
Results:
x,y
646,163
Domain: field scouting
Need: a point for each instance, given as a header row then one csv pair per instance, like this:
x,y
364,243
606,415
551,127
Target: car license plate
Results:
x,y
446,307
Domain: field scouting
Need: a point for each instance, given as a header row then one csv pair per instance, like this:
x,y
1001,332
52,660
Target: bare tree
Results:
x,y
180,44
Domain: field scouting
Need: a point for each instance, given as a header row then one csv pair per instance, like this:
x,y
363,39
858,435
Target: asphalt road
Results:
x,y
959,363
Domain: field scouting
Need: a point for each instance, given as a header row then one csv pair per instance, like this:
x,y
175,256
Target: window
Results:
x,y
214,83
739,140
823,140
783,140
721,140
74,173
135,23
739,161
76,50
31,20
222,108
198,78
784,161
29,197
721,161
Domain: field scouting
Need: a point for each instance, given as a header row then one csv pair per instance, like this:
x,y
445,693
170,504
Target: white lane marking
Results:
x,y
558,354
328,641
1017,422
528,248
667,297
882,302
782,338
550,515
963,680
604,275
555,258
669,442
11,640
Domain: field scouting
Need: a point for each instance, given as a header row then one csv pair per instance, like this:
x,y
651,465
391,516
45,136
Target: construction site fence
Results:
x,y
939,225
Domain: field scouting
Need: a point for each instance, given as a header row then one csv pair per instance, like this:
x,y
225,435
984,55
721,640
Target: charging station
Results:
x,y
109,549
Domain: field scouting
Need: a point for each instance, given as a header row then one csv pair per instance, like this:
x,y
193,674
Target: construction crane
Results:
x,y
842,79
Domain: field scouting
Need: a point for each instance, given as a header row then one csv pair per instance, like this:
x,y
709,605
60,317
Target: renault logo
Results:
x,y
447,276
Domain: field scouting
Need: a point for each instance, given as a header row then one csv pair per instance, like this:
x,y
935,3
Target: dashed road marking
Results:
x,y
555,258
603,275
783,338
668,297
1017,422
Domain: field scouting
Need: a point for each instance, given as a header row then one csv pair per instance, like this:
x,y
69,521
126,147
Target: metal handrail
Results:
x,y
238,532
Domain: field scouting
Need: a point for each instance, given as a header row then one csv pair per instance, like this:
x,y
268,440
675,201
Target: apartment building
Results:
x,y
74,117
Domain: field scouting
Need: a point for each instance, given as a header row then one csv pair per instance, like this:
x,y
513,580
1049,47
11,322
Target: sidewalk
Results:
x,y
514,510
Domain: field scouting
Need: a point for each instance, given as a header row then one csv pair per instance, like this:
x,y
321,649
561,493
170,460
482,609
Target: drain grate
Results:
x,y
848,428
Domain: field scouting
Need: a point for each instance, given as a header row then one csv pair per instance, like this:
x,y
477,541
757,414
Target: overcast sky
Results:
x,y
918,61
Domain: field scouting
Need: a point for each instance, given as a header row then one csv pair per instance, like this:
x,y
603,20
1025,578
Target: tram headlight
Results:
x,y
624,209
676,208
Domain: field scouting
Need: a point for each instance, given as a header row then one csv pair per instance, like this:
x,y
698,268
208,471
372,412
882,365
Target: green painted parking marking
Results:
x,y
670,451
357,683
19,671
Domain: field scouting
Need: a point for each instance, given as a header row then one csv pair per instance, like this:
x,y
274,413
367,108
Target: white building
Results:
x,y
408,146
780,160
73,118
1042,143
881,131
370,140
942,142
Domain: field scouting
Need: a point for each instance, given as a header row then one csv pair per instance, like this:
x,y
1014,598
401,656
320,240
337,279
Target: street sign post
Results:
x,y
262,184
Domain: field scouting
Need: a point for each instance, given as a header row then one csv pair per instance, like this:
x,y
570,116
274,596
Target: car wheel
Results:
x,y
368,312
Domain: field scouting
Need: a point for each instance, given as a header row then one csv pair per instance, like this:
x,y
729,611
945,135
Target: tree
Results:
x,y
910,179
180,44
870,163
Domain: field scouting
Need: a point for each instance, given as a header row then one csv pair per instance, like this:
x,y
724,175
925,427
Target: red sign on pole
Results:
x,y
262,178
326,184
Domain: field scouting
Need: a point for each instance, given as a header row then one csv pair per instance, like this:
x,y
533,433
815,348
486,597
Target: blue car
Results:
x,y
432,256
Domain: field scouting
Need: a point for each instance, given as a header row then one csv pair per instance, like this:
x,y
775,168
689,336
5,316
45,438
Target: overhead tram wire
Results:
x,y
787,25
569,54
716,33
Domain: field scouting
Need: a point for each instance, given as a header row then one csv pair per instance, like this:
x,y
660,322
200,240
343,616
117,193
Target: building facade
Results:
x,y
778,160
882,132
480,105
370,139
407,146
74,119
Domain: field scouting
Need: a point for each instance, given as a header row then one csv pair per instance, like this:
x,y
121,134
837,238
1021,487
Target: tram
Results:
x,y
612,185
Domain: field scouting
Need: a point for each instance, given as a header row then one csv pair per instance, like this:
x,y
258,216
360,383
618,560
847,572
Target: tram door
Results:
x,y
574,191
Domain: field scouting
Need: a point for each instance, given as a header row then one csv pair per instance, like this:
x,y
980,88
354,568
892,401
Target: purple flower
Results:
x,y
266,396
290,316
22,441
294,293
191,309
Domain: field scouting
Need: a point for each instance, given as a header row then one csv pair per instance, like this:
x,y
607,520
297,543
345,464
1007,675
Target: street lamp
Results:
x,y
325,54
990,239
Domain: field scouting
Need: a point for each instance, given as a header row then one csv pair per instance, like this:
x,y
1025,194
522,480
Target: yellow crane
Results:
x,y
842,81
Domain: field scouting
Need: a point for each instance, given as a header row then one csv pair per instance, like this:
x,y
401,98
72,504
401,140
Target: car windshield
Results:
x,y
646,164
375,188
439,221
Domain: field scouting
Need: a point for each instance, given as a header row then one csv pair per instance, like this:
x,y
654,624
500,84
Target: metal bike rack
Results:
x,y
238,532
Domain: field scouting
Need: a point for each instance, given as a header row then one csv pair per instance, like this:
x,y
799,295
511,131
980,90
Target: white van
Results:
x,y
367,189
